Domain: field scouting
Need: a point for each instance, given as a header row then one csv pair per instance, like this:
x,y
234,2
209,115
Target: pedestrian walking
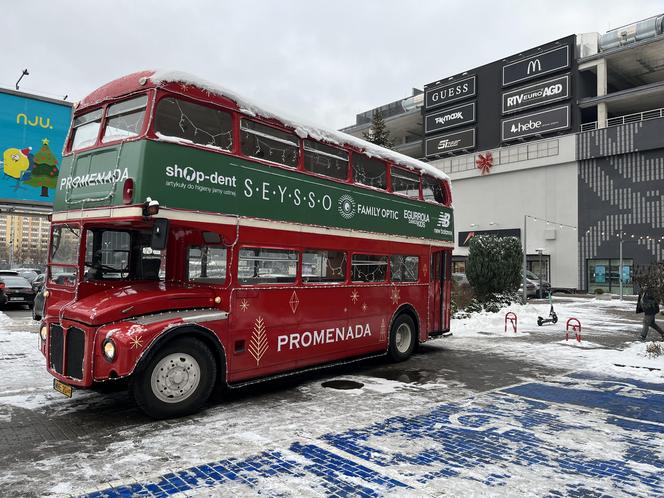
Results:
x,y
649,306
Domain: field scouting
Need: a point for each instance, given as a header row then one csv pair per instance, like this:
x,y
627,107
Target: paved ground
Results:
x,y
484,414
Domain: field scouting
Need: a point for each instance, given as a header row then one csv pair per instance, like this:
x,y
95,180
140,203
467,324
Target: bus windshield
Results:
x,y
123,120
112,254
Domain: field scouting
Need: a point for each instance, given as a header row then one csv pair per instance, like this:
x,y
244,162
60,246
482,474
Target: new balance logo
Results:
x,y
444,220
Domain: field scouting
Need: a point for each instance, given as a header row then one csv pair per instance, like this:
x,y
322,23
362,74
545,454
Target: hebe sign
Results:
x,y
536,65
536,123
450,92
449,118
535,95
441,144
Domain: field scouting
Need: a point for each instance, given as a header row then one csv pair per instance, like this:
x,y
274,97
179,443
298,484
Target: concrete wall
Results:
x,y
544,188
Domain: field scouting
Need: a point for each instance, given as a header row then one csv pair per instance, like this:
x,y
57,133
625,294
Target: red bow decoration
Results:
x,y
484,162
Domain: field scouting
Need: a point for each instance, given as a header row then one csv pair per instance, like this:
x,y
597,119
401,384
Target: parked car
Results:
x,y
38,305
17,290
38,282
29,275
533,286
38,271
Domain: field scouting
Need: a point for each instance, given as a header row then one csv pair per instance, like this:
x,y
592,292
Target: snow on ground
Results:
x,y
142,449
600,319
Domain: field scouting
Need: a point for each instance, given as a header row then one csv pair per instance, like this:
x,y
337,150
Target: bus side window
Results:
x,y
267,266
369,268
368,171
196,123
325,160
323,266
207,264
405,182
432,190
265,142
404,268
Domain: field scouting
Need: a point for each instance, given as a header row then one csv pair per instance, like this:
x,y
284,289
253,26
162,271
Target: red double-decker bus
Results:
x,y
199,239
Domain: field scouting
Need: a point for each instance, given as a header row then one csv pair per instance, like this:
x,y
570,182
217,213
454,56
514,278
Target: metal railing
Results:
x,y
628,118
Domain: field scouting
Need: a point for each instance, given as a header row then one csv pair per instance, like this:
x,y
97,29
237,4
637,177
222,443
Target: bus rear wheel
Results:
x,y
176,381
403,336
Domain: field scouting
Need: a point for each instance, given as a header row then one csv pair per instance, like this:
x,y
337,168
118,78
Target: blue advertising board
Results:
x,y
600,274
32,134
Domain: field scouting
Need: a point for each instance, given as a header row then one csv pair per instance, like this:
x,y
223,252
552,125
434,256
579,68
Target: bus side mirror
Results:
x,y
159,234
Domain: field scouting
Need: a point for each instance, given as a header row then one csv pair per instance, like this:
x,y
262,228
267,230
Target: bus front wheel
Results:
x,y
176,381
403,335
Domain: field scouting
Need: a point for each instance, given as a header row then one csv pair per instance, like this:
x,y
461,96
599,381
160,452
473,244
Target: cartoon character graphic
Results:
x,y
16,162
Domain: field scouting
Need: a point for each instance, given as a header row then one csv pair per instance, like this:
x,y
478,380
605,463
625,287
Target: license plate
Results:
x,y
19,298
63,388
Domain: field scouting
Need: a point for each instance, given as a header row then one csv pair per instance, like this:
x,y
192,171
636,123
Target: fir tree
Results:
x,y
494,265
44,174
378,133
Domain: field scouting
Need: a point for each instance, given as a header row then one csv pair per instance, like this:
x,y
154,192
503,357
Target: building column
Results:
x,y
601,91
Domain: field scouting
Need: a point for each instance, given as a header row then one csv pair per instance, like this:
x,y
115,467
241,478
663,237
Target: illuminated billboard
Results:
x,y
33,130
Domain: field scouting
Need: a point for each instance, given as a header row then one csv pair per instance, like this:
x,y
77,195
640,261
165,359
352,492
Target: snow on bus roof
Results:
x,y
301,129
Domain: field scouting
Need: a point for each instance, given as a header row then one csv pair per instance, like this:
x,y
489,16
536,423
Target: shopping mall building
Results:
x,y
561,145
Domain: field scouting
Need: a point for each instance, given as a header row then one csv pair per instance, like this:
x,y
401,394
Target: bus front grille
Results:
x,y
75,350
67,350
56,348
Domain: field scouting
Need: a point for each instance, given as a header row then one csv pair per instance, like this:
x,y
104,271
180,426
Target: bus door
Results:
x,y
439,291
435,292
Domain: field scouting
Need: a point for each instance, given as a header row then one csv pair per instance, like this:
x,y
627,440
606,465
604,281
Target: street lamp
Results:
x,y
539,251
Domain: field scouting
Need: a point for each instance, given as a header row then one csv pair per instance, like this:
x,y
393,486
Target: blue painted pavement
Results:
x,y
580,435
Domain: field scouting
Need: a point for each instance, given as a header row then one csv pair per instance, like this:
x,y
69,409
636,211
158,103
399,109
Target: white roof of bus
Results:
x,y
303,130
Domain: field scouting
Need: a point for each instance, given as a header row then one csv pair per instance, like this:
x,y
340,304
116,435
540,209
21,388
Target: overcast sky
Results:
x,y
321,61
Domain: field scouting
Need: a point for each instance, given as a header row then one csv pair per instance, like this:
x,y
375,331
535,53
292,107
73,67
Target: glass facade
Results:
x,y
606,274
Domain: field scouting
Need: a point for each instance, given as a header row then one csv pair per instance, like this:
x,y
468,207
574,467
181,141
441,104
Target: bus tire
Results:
x,y
177,379
403,338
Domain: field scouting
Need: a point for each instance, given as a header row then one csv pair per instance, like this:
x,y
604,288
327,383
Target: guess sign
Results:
x,y
536,123
449,118
536,65
449,92
441,144
535,95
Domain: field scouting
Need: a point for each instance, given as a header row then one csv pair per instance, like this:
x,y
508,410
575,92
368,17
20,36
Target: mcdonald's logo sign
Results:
x,y
536,65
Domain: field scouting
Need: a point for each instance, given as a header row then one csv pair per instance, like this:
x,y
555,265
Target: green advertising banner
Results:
x,y
188,178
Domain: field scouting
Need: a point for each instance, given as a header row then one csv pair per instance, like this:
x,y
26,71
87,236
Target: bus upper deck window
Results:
x,y
194,122
405,182
125,119
369,171
269,143
86,129
432,190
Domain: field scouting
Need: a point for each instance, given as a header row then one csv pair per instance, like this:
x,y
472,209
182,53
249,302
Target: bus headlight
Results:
x,y
43,332
109,349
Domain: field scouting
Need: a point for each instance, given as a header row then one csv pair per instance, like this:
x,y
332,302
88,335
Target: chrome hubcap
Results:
x,y
175,378
403,338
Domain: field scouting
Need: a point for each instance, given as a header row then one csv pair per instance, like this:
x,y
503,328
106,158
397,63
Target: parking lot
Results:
x,y
481,413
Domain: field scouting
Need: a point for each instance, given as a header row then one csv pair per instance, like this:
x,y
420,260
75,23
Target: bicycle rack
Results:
x,y
511,317
575,325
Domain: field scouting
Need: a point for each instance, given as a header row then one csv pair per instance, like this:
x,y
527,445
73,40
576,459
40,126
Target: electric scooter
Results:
x,y
553,318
